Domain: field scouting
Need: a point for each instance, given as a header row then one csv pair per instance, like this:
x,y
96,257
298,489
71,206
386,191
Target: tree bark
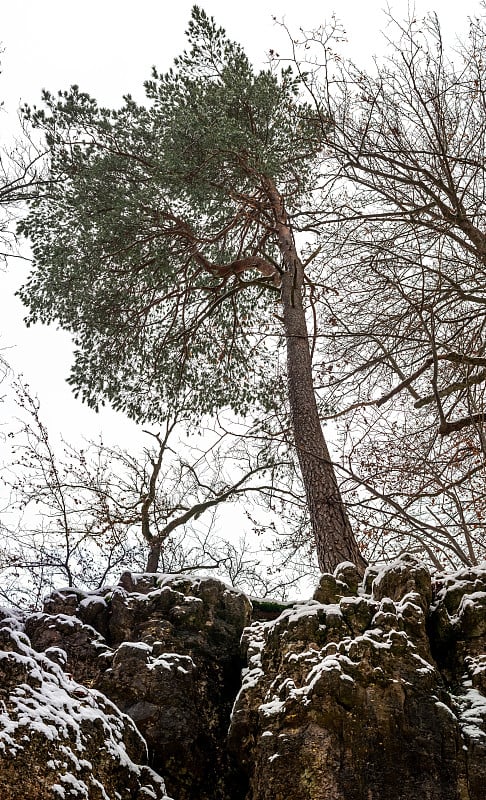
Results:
x,y
335,541
153,557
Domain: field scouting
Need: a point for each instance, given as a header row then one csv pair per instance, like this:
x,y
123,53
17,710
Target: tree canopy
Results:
x,y
325,212
154,242
166,245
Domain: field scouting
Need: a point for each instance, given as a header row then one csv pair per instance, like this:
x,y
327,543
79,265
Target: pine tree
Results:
x,y
167,246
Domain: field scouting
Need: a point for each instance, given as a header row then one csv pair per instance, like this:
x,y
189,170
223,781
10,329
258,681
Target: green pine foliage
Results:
x,y
142,202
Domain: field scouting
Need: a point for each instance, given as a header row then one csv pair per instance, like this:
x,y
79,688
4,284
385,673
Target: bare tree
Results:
x,y
22,174
408,488
402,304
87,513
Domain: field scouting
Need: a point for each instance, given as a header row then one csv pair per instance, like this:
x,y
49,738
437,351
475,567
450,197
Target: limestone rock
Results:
x,y
166,650
405,577
457,628
372,690
345,698
59,739
85,650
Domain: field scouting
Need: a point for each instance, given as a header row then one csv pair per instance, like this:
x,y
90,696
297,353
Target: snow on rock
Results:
x,y
350,696
375,688
59,739
83,647
166,650
180,688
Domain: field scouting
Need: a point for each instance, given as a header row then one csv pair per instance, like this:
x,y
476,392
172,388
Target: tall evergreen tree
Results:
x,y
167,243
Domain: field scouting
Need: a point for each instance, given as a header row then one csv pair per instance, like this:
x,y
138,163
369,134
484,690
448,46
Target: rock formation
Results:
x,y
372,690
167,652
368,693
59,739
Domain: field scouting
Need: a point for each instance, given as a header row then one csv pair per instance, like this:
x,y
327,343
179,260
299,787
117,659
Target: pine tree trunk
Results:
x,y
332,530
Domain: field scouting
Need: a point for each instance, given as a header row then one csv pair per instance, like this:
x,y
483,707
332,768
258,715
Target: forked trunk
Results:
x,y
332,530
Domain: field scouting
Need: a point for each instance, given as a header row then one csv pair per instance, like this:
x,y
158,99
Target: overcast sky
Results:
x,y
108,47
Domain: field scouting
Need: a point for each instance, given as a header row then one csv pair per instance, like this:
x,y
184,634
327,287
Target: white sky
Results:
x,y
108,47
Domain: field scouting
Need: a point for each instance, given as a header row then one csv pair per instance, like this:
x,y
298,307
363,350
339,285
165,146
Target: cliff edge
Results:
x,y
373,689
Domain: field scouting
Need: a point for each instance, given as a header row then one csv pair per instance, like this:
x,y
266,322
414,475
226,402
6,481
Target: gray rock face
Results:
x,y
353,697
373,690
61,740
177,675
167,652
